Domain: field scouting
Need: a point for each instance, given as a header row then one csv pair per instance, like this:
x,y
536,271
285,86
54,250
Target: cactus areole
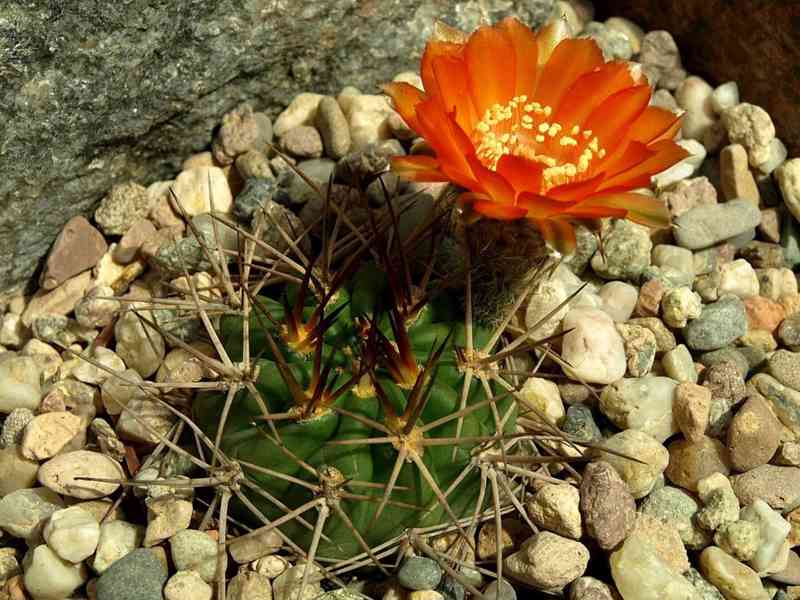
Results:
x,y
362,407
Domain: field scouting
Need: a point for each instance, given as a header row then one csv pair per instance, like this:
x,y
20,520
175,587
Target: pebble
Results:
x,y
419,573
791,574
753,435
501,590
194,195
679,306
139,345
19,382
61,473
13,333
720,504
680,259
736,179
166,516
253,165
618,300
116,539
589,588
774,530
740,539
704,226
188,585
333,127
691,461
241,130
14,427
247,585
77,248
49,576
128,247
775,284
302,141
23,512
694,95
639,573
47,434
108,364
725,380
719,324
784,366
555,507
784,401
122,207
763,314
777,486
738,278
16,471
117,392
549,294
302,110
735,580
725,96
286,585
542,400
72,533
606,504
690,409
592,347
641,476
665,339
663,539
145,421
659,54
255,545
640,348
687,194
140,575
685,168
643,403
626,251
678,508
614,44
678,364
367,117
97,308
194,550
752,127
293,189
548,561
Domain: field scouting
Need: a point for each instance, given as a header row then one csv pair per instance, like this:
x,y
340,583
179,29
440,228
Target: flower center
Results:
x,y
522,128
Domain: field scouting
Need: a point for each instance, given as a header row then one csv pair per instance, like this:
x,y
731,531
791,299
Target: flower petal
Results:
x,y
501,212
667,153
523,175
610,121
570,59
434,49
526,52
405,98
418,168
493,184
542,207
559,235
549,37
452,81
447,139
491,67
577,190
639,208
655,124
590,90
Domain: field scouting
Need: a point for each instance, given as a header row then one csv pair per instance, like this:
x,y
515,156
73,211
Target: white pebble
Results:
x,y
49,433
593,346
788,176
738,278
641,574
679,306
694,95
62,474
301,111
774,531
23,513
199,188
725,96
543,398
72,533
19,382
48,577
139,345
619,300
117,539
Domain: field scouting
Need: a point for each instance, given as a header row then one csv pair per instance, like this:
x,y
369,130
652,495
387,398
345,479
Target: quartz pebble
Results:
x,y
47,434
643,403
691,409
23,513
19,382
542,397
720,505
139,345
774,530
640,476
116,539
187,585
166,516
752,127
735,580
49,576
679,306
548,561
679,365
555,508
247,585
16,471
302,110
592,346
664,539
286,585
194,550
740,539
72,533
619,299
63,474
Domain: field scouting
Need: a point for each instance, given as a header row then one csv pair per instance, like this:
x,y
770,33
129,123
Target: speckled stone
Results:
x,y
777,486
677,507
689,461
719,324
139,575
419,573
753,435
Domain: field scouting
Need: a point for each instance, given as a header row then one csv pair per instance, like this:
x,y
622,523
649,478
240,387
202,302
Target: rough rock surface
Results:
x,y
88,100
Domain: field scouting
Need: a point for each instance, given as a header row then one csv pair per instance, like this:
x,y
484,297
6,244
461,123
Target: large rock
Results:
x,y
99,92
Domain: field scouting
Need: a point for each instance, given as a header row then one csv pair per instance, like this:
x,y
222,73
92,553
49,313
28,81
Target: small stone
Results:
x,y
128,247
694,95
740,539
725,96
555,508
139,344
548,561
77,248
119,210
241,130
187,585
776,283
619,300
486,547
679,365
784,366
333,127
640,476
725,380
640,574
19,382
257,192
97,308
166,516
194,550
548,295
735,177
580,424
770,227
61,301
117,392
705,226
678,508
774,530
117,539
592,346
685,168
735,580
16,471
763,314
649,301
789,331
626,251
720,505
293,189
679,306
643,403
72,533
63,474
589,588
302,110
255,545
784,401
659,54
49,576
640,348
194,196
47,434
738,278
139,575
419,573
719,324
791,574
777,486
614,44
74,396
543,400
367,116
753,435
691,461
247,585
663,539
287,585
13,332
23,513
14,427
303,141
145,421
501,590
253,165
687,194
691,410
607,506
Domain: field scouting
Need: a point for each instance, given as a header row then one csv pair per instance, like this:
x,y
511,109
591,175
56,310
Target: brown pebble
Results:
x,y
725,381
754,435
607,506
127,248
649,301
303,142
777,486
77,248
763,313
770,226
691,461
690,409
791,573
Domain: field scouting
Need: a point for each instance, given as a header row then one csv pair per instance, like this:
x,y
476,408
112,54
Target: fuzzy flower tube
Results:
x,y
537,126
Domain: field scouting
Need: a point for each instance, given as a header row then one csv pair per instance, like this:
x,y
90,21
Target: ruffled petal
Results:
x,y
489,57
667,153
589,90
610,121
447,139
526,53
571,59
655,124
451,78
491,183
542,207
405,98
434,49
418,168
523,175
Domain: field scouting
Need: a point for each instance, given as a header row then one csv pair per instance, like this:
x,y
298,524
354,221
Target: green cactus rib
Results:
x,y
317,440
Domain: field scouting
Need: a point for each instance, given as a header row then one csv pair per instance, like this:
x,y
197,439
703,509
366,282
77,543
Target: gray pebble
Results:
x,y
718,325
500,591
255,193
705,590
614,43
727,354
139,575
451,589
333,127
303,142
419,573
704,226
626,251
580,423
292,189
785,367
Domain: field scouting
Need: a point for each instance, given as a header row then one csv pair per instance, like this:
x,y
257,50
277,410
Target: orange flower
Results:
x,y
537,125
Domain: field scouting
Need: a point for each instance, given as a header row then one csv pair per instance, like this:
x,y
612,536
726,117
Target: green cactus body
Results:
x,y
413,503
